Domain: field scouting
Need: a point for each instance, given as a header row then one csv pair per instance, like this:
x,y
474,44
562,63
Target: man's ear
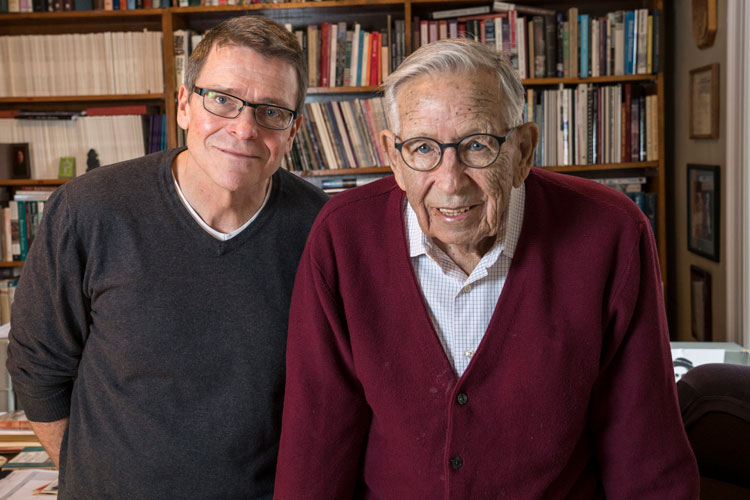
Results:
x,y
388,141
183,107
526,140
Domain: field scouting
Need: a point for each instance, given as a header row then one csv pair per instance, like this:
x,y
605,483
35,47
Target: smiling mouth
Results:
x,y
453,212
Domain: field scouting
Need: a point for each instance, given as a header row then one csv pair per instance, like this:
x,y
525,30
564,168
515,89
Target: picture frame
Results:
x,y
700,304
703,203
704,102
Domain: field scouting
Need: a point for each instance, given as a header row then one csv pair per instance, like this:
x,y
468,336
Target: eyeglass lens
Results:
x,y
476,151
227,106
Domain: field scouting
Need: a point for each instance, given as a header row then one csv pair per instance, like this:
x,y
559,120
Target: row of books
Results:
x,y
115,138
339,134
81,64
333,184
63,5
341,55
556,44
594,124
21,221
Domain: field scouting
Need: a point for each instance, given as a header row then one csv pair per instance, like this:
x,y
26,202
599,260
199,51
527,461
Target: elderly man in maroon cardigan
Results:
x,y
475,328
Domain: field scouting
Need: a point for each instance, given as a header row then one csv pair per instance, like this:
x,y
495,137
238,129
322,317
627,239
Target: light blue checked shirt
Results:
x,y
461,306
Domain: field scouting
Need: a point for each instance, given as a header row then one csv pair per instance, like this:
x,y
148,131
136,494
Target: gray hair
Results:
x,y
457,55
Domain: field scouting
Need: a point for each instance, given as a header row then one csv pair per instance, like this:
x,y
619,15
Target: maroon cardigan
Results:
x,y
570,394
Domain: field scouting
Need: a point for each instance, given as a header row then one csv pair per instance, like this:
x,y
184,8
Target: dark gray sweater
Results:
x,y
164,345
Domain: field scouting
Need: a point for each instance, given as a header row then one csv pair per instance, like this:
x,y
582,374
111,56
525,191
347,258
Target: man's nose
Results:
x,y
245,126
450,171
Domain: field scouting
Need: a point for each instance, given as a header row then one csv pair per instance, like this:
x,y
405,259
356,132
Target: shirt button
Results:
x,y
457,462
462,399
468,353
467,289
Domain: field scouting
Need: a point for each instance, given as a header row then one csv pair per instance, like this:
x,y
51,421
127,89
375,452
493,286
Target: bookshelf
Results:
x,y
372,15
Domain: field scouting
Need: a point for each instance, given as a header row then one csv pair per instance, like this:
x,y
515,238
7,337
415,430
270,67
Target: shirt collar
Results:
x,y
420,244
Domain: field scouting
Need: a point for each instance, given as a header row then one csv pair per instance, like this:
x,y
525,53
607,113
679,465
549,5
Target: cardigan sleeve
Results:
x,y
325,416
640,442
51,314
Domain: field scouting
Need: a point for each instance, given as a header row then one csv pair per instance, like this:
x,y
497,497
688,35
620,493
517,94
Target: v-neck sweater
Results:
x,y
164,345
569,395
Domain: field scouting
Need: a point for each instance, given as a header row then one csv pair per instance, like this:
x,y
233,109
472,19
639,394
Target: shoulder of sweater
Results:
x,y
303,193
119,179
363,203
570,195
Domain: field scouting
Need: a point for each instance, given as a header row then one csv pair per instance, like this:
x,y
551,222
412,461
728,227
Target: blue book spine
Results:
x,y
83,4
583,27
115,4
131,4
630,42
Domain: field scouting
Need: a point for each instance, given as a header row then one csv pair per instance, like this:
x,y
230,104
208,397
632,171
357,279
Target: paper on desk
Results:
x,y
685,359
20,484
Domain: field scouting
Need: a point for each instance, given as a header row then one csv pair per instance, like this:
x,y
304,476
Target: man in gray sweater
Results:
x,y
149,324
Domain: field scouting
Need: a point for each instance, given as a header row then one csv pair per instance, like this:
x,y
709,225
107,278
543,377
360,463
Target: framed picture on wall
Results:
x,y
704,102
703,202
700,304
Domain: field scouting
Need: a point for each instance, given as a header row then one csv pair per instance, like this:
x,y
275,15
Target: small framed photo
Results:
x,y
20,161
700,304
703,202
704,102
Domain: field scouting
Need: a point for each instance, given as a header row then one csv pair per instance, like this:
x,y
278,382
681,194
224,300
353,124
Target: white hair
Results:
x,y
452,56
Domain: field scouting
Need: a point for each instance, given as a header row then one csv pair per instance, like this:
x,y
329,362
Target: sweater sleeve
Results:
x,y
50,317
642,448
325,416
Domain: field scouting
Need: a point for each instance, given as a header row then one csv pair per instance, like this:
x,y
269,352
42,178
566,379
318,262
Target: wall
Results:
x,y
682,150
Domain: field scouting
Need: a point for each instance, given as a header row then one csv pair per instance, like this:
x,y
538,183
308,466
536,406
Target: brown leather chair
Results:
x,y
715,405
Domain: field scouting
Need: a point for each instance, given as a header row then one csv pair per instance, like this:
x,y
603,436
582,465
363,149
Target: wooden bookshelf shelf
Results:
x,y
343,90
603,166
14,263
155,98
32,182
596,79
345,171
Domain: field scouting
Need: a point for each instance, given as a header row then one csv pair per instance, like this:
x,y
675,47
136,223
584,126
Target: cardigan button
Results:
x,y
462,399
457,462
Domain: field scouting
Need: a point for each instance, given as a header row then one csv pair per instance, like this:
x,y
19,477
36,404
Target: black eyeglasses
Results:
x,y
229,106
475,151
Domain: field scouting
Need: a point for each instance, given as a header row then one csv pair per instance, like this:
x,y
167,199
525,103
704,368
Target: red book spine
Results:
x,y
136,109
374,57
325,56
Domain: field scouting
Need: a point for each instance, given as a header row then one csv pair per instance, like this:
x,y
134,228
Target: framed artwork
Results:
x,y
703,202
704,102
700,304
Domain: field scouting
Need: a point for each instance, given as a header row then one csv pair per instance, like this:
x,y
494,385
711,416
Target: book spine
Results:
x,y
550,45
583,27
22,231
561,44
630,40
324,70
657,42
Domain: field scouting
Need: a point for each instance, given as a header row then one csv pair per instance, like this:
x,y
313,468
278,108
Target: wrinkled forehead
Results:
x,y
459,97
